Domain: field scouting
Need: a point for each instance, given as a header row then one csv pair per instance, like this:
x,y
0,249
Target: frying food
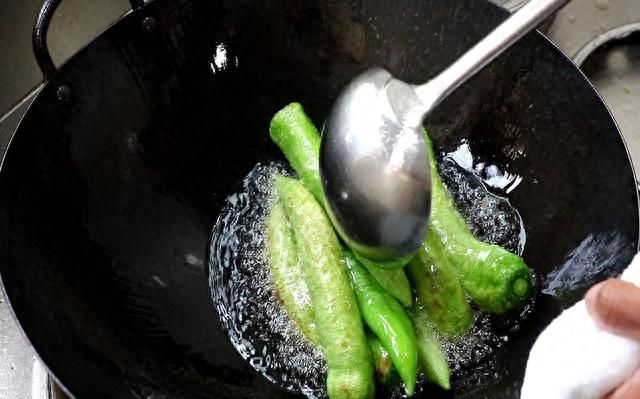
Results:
x,y
372,322
350,373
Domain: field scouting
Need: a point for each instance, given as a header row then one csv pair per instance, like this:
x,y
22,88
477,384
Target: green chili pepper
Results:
x,y
292,130
432,358
439,289
386,374
287,272
386,318
288,276
349,369
495,279
394,281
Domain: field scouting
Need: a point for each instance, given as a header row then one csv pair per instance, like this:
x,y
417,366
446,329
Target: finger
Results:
x,y
614,306
628,390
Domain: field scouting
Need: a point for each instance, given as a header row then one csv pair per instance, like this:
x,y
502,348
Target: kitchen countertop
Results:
x,y
21,373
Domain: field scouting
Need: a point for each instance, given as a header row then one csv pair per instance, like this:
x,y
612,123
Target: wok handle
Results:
x,y
39,35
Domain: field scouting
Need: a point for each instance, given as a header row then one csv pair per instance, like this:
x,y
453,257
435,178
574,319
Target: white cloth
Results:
x,y
574,359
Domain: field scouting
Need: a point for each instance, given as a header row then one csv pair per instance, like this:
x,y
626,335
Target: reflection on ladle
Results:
x,y
383,213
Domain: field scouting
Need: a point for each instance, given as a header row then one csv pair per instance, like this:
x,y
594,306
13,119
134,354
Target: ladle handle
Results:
x,y
501,38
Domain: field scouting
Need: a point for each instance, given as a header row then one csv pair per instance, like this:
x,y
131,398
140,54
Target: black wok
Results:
x,y
116,174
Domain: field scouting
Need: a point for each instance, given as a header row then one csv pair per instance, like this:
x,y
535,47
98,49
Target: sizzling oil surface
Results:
x,y
257,324
244,293
491,218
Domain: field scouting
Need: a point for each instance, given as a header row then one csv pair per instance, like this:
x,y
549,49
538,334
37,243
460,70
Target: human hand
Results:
x,y
615,306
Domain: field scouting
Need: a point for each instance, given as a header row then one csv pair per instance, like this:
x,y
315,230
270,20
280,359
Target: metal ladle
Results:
x,y
373,160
